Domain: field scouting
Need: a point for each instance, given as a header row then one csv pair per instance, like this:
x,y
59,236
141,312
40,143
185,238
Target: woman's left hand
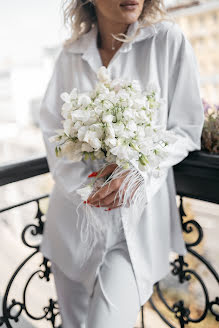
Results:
x,y
106,196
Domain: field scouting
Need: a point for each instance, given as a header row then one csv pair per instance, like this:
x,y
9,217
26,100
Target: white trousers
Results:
x,y
112,299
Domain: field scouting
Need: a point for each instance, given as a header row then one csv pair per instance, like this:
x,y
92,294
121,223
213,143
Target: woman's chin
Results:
x,y
129,18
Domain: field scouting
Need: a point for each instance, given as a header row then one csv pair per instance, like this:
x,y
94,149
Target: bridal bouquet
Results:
x,y
116,121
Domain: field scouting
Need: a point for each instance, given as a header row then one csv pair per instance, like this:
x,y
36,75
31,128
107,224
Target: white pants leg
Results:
x,y
114,302
115,284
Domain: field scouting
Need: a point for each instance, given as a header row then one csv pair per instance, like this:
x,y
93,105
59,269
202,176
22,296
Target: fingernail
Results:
x,y
97,205
88,201
84,202
93,174
108,209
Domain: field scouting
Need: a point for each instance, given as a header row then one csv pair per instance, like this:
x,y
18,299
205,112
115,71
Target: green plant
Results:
x,y
210,132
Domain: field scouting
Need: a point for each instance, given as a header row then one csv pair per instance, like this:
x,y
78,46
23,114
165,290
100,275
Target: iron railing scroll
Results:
x,y
196,169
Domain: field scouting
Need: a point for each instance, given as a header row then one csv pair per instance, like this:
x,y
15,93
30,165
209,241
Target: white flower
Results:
x,y
136,85
54,138
81,115
128,114
118,128
86,147
91,138
68,127
84,100
98,129
66,110
103,74
95,143
111,142
85,192
107,118
115,121
58,136
141,116
72,150
110,132
124,152
111,158
81,132
73,94
154,160
65,97
131,125
99,154
116,84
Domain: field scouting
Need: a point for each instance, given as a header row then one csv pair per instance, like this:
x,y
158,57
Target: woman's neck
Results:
x,y
105,40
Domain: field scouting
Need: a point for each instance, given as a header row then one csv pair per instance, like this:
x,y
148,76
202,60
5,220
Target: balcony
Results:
x,y
196,177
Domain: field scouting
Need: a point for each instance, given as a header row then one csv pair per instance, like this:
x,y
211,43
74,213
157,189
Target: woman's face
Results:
x,y
119,11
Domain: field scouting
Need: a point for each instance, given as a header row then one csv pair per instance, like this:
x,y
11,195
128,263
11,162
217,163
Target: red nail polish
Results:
x,y
88,201
97,205
84,202
93,174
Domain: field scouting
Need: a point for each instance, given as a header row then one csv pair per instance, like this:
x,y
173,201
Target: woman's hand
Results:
x,y
106,196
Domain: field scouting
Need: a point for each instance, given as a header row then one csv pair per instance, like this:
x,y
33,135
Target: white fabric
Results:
x,y
160,53
104,300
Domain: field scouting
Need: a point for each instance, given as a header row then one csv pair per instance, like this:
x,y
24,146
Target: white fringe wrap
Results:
x,y
92,224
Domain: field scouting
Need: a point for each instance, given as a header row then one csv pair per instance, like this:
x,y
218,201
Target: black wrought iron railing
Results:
x,y
196,177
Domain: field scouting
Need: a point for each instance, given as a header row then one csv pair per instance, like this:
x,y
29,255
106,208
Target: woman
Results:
x,y
129,258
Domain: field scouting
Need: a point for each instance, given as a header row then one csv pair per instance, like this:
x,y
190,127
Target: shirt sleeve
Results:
x,y
185,108
66,174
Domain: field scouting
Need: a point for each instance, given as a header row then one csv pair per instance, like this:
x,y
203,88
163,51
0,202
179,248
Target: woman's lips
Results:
x,y
129,5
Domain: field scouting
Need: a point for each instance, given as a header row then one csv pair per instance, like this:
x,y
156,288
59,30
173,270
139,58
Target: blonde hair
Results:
x,y
80,15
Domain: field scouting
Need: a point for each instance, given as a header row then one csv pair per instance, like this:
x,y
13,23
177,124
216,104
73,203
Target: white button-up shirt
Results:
x,y
160,53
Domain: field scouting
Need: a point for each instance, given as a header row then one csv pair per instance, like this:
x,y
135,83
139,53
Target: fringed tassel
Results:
x,y
131,195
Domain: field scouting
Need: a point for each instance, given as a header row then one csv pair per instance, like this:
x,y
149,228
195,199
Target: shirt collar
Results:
x,y
87,42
